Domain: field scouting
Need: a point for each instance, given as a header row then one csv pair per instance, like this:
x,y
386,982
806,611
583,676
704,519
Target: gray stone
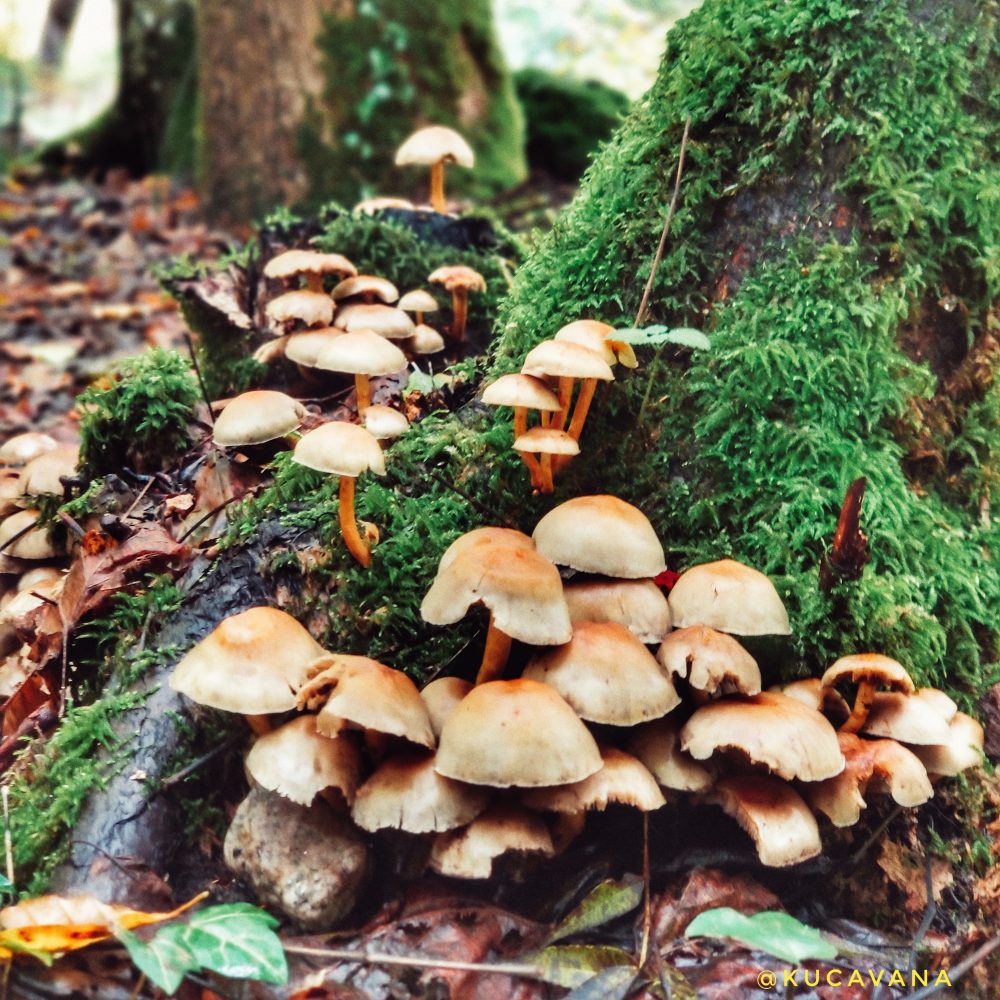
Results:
x,y
308,862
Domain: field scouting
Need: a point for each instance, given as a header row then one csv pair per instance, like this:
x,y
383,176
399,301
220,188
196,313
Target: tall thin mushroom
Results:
x,y
521,393
459,280
433,147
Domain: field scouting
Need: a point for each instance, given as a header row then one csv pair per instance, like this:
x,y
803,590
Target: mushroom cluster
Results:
x,y
581,354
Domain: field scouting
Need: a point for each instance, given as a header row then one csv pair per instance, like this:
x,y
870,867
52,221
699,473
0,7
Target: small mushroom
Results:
x,y
425,340
460,281
310,263
712,662
22,448
386,321
599,337
523,393
962,750
344,450
362,354
369,288
419,302
309,308
433,147
870,671
568,362
549,444
442,696
21,539
385,423
257,417
658,745
44,474
639,605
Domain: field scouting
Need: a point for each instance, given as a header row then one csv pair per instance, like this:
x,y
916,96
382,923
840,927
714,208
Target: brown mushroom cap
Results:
x,y
22,448
711,661
621,779
425,340
810,691
658,745
304,347
547,441
366,284
521,390
252,663
385,423
728,596
442,697
418,301
40,576
873,668
386,321
905,718
43,474
368,694
564,359
406,793
471,851
963,750
292,262
509,537
521,588
296,761
257,416
340,449
780,823
311,308
639,605
778,732
34,543
589,333
432,144
458,277
516,733
361,352
600,534
607,675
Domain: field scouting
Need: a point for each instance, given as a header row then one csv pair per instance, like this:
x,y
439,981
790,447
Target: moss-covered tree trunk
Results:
x,y
306,100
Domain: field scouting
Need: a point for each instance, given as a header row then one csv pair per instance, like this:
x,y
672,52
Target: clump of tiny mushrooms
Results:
x,y
596,717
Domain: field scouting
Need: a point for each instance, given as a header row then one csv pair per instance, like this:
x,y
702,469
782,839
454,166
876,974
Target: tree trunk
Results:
x,y
58,24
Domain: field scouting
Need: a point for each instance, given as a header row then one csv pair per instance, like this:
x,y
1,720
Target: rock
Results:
x,y
310,863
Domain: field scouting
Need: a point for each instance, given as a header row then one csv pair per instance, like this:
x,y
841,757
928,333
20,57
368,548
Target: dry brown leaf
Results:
x,y
904,867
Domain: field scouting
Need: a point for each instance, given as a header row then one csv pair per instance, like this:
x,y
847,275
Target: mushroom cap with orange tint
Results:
x,y
442,697
298,762
782,734
257,416
425,340
521,390
312,308
547,441
292,262
418,300
939,701
516,734
639,605
711,661
774,815
600,534
564,359
366,284
340,449
728,596
458,277
658,745
252,663
510,537
521,588
367,694
607,675
406,793
434,144
873,668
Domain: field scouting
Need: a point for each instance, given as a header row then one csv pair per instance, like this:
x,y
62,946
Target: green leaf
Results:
x,y
776,933
5,884
570,966
613,983
604,903
164,959
25,949
237,940
654,336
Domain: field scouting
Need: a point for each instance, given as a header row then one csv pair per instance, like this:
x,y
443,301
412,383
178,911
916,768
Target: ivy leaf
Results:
x,y
604,903
655,336
778,934
570,966
164,959
237,940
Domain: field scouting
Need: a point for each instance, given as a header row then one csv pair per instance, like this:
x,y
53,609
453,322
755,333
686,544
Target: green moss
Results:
x,y
141,419
392,66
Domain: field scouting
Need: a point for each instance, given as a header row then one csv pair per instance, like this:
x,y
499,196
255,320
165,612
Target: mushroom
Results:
x,y
22,448
962,750
905,718
21,539
600,534
810,691
386,321
728,596
607,675
344,450
385,423
256,417
425,340
783,829
509,537
310,308
298,762
44,474
870,671
713,662
434,146
521,589
10,491
658,745
523,393
550,444
310,263
418,301
639,605
599,337
459,280
362,354
369,288
516,734
304,348
568,362
252,663
442,697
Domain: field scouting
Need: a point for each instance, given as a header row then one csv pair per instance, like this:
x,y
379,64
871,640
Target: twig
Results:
x,y
186,772
137,992
17,536
135,503
648,290
201,381
929,911
647,912
958,971
215,510
418,962
856,857
71,523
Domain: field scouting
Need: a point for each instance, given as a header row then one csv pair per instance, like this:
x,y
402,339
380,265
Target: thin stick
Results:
x,y
958,971
201,381
135,503
648,290
647,910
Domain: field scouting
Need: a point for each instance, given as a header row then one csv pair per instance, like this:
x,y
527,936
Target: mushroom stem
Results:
x,y
260,724
348,524
565,397
460,307
521,427
587,388
364,393
862,706
314,281
494,655
546,485
437,186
